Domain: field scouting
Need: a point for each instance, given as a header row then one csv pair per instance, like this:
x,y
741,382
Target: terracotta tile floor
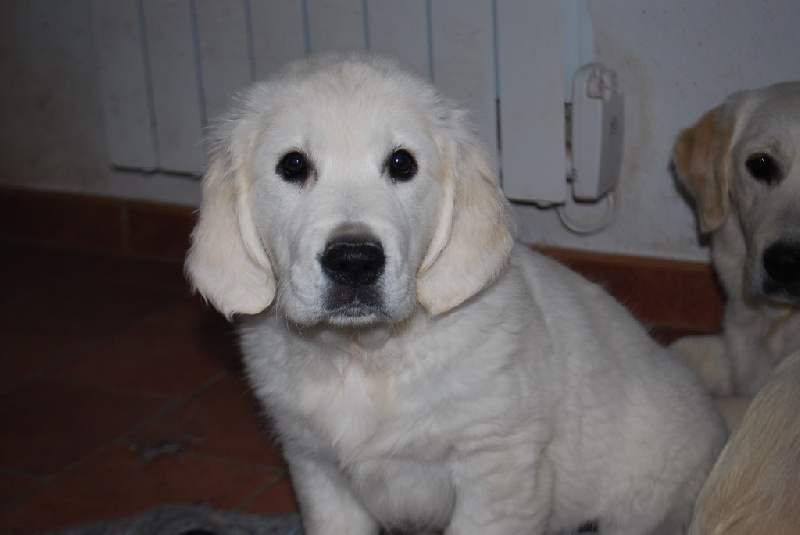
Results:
x,y
101,356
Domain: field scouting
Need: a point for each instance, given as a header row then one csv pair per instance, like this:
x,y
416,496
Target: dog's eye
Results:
x,y
401,165
763,168
293,167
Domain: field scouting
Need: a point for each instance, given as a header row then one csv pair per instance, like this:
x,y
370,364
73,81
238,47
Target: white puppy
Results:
x,y
422,372
740,165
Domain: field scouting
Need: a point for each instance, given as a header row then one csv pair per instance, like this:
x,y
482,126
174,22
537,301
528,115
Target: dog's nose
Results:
x,y
353,261
782,262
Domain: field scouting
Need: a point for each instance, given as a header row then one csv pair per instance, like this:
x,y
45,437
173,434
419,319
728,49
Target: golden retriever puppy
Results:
x,y
423,373
740,165
755,486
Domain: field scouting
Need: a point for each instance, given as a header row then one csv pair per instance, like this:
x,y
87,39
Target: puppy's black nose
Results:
x,y
353,261
782,262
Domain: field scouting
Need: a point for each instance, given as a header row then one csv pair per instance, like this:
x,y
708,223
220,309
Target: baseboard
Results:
x,y
667,293
95,223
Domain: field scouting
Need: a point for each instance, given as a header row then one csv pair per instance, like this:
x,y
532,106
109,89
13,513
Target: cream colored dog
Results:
x,y
740,164
422,372
755,486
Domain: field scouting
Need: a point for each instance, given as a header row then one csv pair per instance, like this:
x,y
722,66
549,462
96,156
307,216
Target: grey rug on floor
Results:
x,y
192,520
200,520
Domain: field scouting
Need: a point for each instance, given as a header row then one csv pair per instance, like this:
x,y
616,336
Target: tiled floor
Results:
x,y
102,359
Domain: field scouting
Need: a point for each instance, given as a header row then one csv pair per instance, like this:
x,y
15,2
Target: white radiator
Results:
x,y
168,67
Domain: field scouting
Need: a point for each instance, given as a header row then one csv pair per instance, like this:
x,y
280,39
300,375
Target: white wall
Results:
x,y
675,60
51,124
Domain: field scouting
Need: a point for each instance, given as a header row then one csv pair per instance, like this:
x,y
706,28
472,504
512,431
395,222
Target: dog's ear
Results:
x,y
701,158
473,239
226,262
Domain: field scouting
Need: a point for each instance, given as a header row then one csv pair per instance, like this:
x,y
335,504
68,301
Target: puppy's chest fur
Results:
x,y
403,400
782,331
363,412
387,421
392,451
768,331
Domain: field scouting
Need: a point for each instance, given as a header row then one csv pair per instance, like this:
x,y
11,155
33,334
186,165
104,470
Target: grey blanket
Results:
x,y
192,520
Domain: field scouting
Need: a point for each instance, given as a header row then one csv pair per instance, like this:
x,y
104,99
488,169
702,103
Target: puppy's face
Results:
x,y
346,191
766,190
753,171
347,185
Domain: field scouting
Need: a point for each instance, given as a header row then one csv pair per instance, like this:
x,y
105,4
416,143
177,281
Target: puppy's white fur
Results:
x,y
744,217
489,390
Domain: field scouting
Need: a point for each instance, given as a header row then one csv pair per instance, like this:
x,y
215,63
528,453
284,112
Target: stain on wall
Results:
x,y
51,126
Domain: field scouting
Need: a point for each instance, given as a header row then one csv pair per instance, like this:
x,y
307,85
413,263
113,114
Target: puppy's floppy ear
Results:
x,y
702,161
226,262
472,242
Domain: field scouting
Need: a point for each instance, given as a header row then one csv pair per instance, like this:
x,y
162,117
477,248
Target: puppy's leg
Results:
x,y
328,506
504,491
707,356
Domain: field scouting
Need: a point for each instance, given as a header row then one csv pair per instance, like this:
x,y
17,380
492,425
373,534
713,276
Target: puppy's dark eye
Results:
x,y
763,168
293,167
401,165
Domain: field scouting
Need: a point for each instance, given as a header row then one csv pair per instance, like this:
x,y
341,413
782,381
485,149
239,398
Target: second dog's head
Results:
x,y
742,160
347,191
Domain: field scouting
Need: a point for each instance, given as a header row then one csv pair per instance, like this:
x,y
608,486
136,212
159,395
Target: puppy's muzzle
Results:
x,y
781,263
